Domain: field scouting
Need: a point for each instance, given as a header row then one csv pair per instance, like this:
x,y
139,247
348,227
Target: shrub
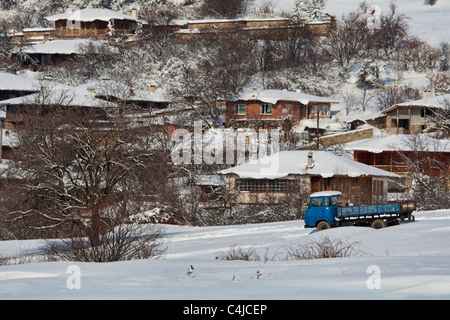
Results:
x,y
324,247
125,242
237,252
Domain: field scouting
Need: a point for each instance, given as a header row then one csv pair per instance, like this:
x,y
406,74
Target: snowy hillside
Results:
x,y
411,259
430,23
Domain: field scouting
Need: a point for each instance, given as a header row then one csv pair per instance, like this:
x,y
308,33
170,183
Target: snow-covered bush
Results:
x,y
324,247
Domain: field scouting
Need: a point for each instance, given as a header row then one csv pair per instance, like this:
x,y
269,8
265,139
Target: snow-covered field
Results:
x,y
408,261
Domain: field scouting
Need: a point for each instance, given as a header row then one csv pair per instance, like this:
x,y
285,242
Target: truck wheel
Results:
x,y
378,224
322,225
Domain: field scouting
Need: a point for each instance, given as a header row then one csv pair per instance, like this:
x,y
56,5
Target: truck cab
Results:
x,y
322,209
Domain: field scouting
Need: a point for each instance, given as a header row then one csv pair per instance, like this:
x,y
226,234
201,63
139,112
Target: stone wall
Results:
x,y
346,137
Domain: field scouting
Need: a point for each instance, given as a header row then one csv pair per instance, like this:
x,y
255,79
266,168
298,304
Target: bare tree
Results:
x,y
222,8
76,165
393,94
216,67
346,40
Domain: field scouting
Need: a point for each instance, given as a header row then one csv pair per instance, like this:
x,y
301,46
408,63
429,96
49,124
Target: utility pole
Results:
x,y
317,131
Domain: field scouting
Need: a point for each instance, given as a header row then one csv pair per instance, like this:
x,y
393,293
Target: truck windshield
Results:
x,y
316,202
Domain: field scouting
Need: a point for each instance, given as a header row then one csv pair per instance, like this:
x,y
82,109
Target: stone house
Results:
x,y
415,116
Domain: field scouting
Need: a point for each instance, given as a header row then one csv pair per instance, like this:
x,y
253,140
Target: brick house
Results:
x,y
275,108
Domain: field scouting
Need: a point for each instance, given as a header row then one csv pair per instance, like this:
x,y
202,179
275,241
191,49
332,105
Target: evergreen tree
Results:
x,y
315,11
300,9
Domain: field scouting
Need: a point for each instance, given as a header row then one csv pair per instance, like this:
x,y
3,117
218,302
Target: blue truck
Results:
x,y
326,209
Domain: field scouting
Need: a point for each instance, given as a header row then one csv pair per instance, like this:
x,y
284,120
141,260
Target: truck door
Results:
x,y
328,210
316,210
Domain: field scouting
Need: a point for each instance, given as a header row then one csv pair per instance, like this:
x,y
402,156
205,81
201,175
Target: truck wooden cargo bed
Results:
x,y
368,210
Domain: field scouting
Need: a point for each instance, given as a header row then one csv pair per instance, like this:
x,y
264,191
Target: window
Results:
x,y
327,202
266,108
316,110
316,202
240,109
265,185
324,110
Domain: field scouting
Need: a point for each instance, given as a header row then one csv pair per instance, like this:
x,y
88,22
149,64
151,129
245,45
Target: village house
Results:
x,y
401,154
134,99
75,23
273,177
57,51
50,95
415,116
275,108
102,97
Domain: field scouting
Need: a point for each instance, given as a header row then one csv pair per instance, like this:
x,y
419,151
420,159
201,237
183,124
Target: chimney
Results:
x,y
131,92
90,92
46,37
310,164
133,13
152,88
254,92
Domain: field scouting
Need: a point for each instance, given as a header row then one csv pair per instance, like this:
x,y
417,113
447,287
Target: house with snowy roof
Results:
x,y
59,50
417,116
12,86
92,23
275,108
274,177
75,23
403,154
51,96
103,98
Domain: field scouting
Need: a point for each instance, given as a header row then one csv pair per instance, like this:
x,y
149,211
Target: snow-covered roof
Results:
x,y
285,163
38,29
123,91
10,81
58,94
9,139
273,96
184,22
432,102
326,194
90,14
87,94
59,46
401,142
210,180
